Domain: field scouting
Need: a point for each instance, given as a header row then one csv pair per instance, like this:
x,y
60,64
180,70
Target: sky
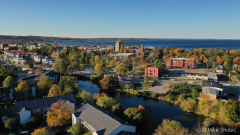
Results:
x,y
195,19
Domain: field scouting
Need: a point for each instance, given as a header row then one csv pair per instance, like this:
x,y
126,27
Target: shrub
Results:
x,y
170,98
154,95
145,93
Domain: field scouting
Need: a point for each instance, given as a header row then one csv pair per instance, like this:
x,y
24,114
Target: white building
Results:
x,y
45,60
25,109
13,58
219,69
99,121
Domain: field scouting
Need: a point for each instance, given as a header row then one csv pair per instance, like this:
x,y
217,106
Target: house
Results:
x,y
13,57
152,71
125,80
196,77
25,109
32,85
6,93
53,76
99,121
212,89
45,60
212,76
181,63
8,113
219,69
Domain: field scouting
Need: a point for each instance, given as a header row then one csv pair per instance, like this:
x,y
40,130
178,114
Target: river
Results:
x,y
158,110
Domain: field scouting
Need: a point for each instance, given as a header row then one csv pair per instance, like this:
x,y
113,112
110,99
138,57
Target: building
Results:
x,y
219,69
13,58
99,121
212,76
121,56
181,63
45,60
3,46
212,89
195,77
6,94
152,71
25,109
119,45
32,85
56,53
125,80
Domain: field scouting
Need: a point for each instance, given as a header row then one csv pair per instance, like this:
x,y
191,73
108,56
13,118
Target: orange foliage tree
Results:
x,y
41,131
232,51
121,51
21,90
195,58
236,60
38,72
165,57
54,91
205,60
219,59
59,114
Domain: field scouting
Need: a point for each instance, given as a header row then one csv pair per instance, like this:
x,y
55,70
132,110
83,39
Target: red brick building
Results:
x,y
151,71
181,63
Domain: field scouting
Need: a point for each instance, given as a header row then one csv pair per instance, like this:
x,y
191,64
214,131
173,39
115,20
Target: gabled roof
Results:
x,y
219,67
101,120
42,103
126,78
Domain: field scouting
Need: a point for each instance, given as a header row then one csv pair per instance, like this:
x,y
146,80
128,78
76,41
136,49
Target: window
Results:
x,y
151,73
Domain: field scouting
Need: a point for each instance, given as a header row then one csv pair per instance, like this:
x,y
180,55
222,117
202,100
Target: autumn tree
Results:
x,y
97,59
219,59
237,60
38,73
189,105
195,58
21,90
2,56
99,68
171,128
127,86
138,116
120,70
44,84
11,123
54,91
40,131
121,51
118,110
106,82
143,67
7,81
106,102
59,114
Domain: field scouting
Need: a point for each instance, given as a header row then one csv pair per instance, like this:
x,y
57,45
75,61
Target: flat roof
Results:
x,y
181,58
123,54
212,75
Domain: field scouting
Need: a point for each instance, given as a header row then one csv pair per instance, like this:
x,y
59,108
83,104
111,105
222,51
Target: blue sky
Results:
x,y
218,19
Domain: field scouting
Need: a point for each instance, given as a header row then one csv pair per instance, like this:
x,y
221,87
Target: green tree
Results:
x,y
11,123
120,70
60,63
76,129
99,68
86,96
44,85
145,83
7,81
68,82
106,102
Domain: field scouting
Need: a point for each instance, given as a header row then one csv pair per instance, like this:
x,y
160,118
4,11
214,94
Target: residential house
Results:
x,y
195,77
25,109
99,121
53,76
219,69
212,89
152,71
13,57
45,60
125,80
32,85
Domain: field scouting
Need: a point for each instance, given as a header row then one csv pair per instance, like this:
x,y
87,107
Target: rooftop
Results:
x,y
42,103
209,90
123,54
101,120
211,84
181,58
212,75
